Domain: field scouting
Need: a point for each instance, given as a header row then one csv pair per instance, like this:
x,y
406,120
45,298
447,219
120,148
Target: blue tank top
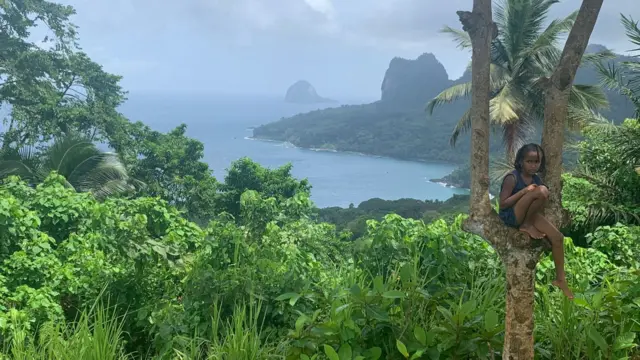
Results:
x,y
520,184
508,215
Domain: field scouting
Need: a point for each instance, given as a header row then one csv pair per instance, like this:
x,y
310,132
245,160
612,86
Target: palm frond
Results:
x,y
499,54
515,134
522,21
588,97
108,178
597,58
460,37
555,29
627,141
463,125
23,162
632,30
448,95
499,168
579,118
499,77
506,105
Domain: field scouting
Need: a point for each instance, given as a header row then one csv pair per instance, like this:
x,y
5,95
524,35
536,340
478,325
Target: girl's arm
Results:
x,y
508,184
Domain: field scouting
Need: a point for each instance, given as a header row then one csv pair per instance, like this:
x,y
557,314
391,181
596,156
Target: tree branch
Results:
x,y
556,105
481,30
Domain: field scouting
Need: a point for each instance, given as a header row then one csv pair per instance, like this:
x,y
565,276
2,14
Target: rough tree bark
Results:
x,y
556,100
519,253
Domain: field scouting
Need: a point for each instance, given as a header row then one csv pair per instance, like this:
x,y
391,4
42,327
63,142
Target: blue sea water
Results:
x,y
223,124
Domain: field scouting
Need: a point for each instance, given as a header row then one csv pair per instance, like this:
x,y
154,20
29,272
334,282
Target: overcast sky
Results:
x,y
342,47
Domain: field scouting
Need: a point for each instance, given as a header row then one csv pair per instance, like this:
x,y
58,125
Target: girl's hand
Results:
x,y
531,187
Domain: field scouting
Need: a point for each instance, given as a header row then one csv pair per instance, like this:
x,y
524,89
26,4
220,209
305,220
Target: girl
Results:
x,y
522,198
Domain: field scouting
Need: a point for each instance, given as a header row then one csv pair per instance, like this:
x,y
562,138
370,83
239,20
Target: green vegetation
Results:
x,y
354,219
377,129
522,54
84,167
183,266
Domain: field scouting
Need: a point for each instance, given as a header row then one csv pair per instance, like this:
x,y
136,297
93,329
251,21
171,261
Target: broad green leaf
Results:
x,y
374,353
490,320
402,348
331,353
287,296
624,341
598,339
294,299
345,352
393,294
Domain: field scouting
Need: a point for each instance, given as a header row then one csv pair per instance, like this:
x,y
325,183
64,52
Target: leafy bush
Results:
x,y
275,283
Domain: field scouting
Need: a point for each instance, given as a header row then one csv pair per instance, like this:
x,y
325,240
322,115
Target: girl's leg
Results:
x,y
527,207
557,251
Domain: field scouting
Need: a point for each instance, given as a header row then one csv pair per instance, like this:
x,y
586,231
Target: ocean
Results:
x,y
224,125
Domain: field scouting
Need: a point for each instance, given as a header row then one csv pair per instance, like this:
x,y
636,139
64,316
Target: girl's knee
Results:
x,y
541,193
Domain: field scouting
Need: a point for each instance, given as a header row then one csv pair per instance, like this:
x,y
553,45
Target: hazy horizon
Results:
x,y
256,47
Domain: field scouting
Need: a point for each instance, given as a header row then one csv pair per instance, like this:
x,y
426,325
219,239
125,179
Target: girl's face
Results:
x,y
531,162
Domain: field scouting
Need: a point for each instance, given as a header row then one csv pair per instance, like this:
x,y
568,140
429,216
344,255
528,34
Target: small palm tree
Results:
x,y
625,77
84,167
523,56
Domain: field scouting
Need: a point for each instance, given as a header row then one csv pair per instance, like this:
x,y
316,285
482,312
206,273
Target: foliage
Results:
x,y
258,277
354,219
523,54
245,174
51,88
376,129
81,163
61,248
171,167
625,77
278,284
605,188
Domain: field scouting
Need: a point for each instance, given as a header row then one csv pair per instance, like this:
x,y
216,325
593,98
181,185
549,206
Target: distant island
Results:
x,y
398,126
302,92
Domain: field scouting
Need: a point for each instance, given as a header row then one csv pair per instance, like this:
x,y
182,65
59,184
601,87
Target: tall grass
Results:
x,y
241,337
97,335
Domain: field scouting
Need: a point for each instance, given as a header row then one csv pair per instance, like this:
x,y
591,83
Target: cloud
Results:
x,y
418,22
219,19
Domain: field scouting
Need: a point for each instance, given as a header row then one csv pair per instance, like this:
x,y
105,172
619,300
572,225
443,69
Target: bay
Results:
x,y
223,123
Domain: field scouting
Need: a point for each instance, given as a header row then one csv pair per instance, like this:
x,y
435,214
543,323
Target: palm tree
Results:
x,y
625,77
84,167
523,56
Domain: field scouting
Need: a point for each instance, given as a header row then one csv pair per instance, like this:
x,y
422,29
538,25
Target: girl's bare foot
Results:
x,y
532,231
564,287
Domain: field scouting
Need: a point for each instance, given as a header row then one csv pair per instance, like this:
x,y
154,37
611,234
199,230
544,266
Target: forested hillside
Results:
x,y
398,125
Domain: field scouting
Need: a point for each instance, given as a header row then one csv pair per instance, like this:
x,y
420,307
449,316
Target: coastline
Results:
x,y
442,181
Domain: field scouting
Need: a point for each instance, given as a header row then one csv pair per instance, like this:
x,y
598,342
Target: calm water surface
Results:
x,y
223,124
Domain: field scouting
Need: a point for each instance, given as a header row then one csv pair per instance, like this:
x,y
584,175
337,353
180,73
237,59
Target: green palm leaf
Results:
x,y
84,167
523,57
463,125
461,38
450,94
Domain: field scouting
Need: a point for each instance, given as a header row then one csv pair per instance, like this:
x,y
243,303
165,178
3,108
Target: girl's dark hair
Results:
x,y
528,148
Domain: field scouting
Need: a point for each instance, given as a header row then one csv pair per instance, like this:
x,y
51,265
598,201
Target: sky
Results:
x,y
342,47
